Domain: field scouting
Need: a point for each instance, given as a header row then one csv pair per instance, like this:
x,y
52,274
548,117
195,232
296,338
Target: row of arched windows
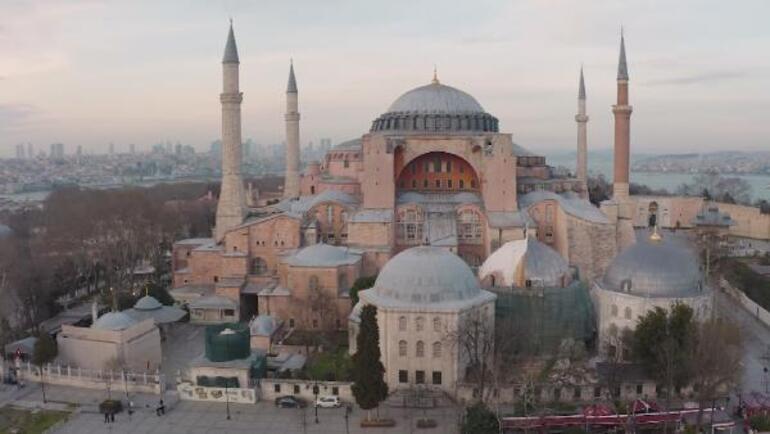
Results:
x,y
627,312
419,324
419,349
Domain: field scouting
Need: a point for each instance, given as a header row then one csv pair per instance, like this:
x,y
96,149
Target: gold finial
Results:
x,y
655,235
435,76
146,290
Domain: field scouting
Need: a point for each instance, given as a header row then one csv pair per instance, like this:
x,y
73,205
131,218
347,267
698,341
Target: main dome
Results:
x,y
435,107
436,98
423,275
655,268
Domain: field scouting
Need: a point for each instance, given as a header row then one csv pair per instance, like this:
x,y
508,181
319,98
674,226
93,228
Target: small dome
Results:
x,y
114,321
263,325
527,259
654,268
425,275
147,303
436,98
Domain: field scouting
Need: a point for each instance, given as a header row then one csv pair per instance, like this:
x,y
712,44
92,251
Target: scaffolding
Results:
x,y
537,321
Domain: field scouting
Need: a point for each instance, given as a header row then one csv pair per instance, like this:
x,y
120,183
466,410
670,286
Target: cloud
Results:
x,y
698,78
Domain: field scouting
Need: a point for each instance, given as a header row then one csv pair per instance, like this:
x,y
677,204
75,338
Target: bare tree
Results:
x,y
716,361
475,341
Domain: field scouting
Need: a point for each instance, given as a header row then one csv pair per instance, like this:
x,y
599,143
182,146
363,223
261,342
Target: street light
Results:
x,y
315,392
765,371
227,332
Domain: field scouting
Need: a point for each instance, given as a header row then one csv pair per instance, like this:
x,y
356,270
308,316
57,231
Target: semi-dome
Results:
x,y
655,267
435,107
323,255
423,275
113,321
436,98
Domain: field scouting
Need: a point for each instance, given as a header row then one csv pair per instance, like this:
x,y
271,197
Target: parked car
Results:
x,y
328,402
289,402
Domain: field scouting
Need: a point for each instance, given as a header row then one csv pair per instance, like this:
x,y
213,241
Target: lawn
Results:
x,y
29,421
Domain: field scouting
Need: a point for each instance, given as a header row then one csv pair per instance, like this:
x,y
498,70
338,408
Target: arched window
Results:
x,y
469,227
258,266
313,283
402,323
436,324
419,323
343,282
628,313
437,349
402,348
409,226
420,349
614,310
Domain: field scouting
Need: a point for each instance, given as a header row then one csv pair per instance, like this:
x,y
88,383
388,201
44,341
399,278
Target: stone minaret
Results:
x,y
230,209
291,180
622,112
582,135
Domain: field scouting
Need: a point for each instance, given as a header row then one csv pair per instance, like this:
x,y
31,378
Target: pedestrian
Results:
x,y
130,408
161,410
106,417
112,416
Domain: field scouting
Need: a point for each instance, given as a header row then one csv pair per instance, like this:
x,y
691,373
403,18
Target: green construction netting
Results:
x,y
536,321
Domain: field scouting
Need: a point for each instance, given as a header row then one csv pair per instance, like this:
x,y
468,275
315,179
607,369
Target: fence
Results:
x,y
87,378
190,392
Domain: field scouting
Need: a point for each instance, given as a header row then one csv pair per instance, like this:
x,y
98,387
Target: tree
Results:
x,y
359,285
369,387
44,352
480,420
475,337
599,189
663,343
715,362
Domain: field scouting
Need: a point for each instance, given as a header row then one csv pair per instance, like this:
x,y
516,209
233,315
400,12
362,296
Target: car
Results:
x,y
328,402
289,402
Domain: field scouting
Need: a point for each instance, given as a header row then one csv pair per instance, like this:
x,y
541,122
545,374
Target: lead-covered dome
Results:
x,y
436,98
655,268
423,275
435,107
527,260
113,321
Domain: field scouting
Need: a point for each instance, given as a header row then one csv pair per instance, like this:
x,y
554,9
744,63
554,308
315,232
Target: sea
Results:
x,y
601,163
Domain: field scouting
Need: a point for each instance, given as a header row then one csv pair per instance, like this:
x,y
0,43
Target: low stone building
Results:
x,y
114,341
424,297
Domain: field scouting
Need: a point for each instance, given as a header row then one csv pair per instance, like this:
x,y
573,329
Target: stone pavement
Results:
x,y
204,417
199,418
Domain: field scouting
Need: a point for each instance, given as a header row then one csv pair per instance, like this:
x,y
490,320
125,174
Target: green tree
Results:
x,y
369,387
480,420
663,342
360,284
44,352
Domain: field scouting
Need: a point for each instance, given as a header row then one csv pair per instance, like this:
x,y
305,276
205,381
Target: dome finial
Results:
x,y
435,75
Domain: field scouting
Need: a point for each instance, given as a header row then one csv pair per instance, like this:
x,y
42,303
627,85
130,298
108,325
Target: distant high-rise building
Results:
x,y
20,151
132,148
30,151
57,151
178,149
326,144
112,148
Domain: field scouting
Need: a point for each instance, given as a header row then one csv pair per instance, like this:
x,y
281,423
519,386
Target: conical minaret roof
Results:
x,y
231,50
622,66
582,88
291,87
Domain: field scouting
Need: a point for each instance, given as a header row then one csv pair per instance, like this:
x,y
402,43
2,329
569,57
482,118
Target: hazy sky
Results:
x,y
89,72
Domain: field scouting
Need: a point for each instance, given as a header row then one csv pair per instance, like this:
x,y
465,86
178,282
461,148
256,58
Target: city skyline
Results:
x,y
90,73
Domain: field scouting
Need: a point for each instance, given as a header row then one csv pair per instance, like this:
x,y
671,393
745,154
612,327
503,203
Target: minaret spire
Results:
x,y
582,136
231,204
435,75
622,111
291,186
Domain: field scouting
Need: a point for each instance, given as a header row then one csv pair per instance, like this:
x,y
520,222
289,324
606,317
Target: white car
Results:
x,y
328,402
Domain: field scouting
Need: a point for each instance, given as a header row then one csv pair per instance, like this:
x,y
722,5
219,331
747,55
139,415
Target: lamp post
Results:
x,y
315,392
227,332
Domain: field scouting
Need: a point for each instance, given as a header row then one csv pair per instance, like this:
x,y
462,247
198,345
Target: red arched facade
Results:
x,y
438,172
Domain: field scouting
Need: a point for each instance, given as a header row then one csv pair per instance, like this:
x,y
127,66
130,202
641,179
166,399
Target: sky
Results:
x,y
91,72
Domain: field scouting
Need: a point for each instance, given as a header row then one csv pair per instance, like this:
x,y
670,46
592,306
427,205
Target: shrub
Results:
x,y
426,423
378,423
760,422
111,406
